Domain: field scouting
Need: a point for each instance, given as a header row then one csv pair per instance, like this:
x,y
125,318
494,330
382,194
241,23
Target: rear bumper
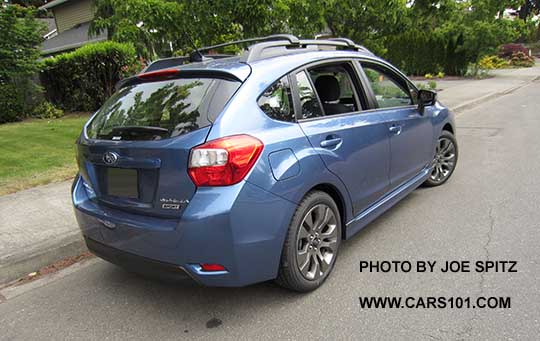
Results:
x,y
241,227
136,263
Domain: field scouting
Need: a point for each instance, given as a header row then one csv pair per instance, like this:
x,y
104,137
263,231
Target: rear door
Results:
x,y
411,133
352,143
134,152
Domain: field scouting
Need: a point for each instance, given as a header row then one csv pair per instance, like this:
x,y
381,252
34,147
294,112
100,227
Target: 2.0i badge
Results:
x,y
172,204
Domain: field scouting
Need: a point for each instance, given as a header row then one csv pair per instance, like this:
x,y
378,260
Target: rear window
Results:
x,y
158,110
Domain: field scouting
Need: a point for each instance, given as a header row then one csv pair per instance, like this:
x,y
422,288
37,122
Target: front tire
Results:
x,y
445,160
312,243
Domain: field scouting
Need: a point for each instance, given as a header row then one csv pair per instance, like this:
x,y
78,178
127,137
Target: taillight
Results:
x,y
225,161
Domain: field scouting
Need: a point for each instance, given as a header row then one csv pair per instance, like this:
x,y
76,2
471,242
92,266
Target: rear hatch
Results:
x,y
134,153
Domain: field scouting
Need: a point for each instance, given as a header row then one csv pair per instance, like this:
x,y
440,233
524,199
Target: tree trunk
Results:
x,y
525,10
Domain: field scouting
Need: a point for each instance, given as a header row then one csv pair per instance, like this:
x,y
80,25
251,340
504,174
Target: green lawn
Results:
x,y
37,152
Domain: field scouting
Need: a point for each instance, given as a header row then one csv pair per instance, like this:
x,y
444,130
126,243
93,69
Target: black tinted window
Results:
x,y
335,88
156,110
276,101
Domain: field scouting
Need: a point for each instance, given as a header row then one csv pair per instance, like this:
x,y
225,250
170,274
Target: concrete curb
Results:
x,y
475,102
34,258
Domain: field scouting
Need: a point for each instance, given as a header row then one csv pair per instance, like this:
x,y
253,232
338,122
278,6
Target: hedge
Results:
x,y
83,79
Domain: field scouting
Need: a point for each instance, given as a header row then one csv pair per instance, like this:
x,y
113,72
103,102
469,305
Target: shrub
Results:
x,y
492,62
440,74
11,103
421,86
432,85
47,110
521,59
428,76
83,79
506,51
474,71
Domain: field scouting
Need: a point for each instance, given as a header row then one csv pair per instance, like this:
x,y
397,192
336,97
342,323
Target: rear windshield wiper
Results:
x,y
142,129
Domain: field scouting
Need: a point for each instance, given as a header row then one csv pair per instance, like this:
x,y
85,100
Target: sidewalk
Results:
x,y
37,226
460,95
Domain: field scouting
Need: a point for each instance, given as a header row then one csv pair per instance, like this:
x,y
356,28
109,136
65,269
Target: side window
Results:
x,y
308,98
276,101
335,88
388,91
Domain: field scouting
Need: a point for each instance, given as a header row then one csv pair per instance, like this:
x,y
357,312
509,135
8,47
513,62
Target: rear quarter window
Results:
x,y
276,101
163,109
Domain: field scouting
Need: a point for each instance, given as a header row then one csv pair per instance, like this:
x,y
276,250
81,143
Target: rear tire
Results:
x,y
445,160
312,243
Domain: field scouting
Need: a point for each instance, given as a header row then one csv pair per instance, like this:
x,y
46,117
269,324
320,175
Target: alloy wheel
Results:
x,y
317,242
445,160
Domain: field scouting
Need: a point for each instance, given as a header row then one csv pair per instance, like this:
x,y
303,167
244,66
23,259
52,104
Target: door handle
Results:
x,y
395,129
332,142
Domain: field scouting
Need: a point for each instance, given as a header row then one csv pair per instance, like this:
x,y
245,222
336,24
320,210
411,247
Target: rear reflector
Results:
x,y
212,267
225,161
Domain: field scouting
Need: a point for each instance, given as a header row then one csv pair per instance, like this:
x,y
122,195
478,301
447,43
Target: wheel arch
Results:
x,y
448,127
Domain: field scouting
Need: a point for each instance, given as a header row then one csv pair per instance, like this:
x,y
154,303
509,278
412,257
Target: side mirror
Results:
x,y
425,99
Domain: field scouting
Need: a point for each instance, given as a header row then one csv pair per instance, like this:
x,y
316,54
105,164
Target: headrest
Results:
x,y
328,88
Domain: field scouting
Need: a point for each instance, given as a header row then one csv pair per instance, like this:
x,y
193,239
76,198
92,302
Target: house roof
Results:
x,y
71,39
50,22
52,4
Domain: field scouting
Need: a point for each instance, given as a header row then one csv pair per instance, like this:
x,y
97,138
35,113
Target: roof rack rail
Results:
x,y
288,37
256,51
351,43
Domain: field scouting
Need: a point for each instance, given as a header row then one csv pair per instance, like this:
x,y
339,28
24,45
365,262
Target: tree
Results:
x,y
368,23
29,3
528,8
162,28
417,35
19,53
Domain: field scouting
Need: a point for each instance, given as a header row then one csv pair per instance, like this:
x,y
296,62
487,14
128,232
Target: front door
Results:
x,y
410,132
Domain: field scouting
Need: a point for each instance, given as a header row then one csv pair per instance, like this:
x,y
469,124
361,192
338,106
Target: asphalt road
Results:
x,y
489,210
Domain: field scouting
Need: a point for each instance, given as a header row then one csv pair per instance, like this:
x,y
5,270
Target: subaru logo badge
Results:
x,y
110,158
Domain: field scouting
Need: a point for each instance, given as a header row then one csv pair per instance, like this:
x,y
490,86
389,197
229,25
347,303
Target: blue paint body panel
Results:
x,y
243,226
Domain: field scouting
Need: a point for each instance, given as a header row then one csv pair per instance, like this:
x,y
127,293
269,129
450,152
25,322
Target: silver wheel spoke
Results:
x,y
316,268
330,230
308,222
303,233
320,212
449,157
303,262
329,243
324,263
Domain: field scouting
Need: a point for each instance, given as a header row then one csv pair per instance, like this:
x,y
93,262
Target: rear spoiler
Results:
x,y
174,73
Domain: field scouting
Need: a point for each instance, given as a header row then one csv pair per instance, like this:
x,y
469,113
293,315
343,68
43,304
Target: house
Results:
x,y
72,19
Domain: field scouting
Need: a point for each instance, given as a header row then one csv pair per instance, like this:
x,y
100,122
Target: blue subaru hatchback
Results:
x,y
234,170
